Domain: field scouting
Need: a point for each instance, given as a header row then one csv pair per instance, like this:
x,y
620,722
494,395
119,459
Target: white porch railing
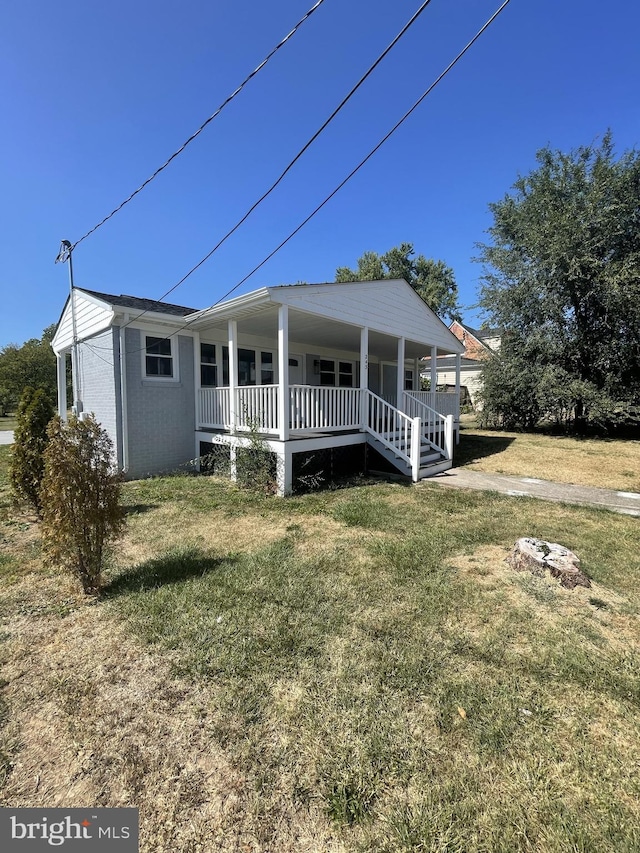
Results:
x,y
214,409
310,408
328,409
444,402
396,430
254,405
436,428
257,407
315,408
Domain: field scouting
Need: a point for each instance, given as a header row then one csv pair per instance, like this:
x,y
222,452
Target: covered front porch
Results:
x,y
304,368
309,408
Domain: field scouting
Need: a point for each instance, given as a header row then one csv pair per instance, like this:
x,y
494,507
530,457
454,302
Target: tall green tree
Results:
x,y
562,279
33,364
432,280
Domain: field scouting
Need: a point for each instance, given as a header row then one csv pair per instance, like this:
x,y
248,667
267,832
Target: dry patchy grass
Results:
x,y
102,721
603,463
351,671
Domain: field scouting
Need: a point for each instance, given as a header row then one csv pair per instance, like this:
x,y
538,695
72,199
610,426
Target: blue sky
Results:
x,y
95,96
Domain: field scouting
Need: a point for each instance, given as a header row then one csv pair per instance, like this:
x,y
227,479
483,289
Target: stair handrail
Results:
x,y
437,429
406,431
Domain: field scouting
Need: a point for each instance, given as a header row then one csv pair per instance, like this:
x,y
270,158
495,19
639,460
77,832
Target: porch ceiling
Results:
x,y
314,331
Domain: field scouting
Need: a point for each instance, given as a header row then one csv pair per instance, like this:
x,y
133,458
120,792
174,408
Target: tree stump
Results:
x,y
538,556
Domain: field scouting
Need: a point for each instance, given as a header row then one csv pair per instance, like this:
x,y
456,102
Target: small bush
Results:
x,y
80,494
256,465
27,456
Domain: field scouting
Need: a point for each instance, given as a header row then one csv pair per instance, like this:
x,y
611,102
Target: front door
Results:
x,y
389,383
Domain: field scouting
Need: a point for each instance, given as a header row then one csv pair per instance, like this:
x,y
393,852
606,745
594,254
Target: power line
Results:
x,y
95,349
368,157
204,124
353,172
290,165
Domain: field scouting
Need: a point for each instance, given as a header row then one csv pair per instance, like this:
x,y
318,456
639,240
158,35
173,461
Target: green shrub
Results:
x,y
27,456
80,494
256,465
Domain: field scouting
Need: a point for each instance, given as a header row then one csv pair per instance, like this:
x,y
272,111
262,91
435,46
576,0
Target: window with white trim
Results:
x,y
208,366
336,373
159,357
408,380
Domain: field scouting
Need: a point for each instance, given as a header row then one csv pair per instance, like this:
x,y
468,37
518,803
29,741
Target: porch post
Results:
x,y
197,377
416,431
400,378
285,470
434,374
364,375
416,374
448,436
61,364
283,373
457,404
233,372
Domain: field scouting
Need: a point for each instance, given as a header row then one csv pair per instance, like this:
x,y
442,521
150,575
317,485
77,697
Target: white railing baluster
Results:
x,y
395,430
443,402
213,408
434,423
324,408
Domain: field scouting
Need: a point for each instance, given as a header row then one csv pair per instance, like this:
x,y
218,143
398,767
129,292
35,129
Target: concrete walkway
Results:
x,y
6,436
461,478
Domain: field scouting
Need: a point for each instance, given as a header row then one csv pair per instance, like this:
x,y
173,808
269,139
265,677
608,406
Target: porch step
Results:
x,y
435,468
432,461
428,454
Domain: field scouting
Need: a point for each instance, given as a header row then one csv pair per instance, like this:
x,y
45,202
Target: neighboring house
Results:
x,y
479,344
313,367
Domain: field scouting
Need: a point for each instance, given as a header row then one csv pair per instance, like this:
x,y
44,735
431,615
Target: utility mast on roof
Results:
x,y
64,255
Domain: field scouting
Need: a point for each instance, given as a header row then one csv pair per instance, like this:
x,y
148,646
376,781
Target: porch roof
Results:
x,y
388,308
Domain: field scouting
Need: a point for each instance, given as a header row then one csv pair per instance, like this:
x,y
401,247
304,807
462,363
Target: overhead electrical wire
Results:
x,y
354,171
369,155
291,163
204,124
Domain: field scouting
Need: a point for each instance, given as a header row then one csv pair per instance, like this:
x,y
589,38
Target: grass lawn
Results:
x,y
355,670
605,463
7,422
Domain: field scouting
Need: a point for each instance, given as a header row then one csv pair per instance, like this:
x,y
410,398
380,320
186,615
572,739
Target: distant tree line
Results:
x,y
31,365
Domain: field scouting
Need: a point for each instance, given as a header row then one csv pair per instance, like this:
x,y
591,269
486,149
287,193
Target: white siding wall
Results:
x,y
390,307
92,317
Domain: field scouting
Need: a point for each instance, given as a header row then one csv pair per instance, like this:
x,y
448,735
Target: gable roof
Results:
x,y
390,307
477,342
139,304
95,312
481,334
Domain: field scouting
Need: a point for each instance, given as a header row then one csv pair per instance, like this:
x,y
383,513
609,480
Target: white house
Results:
x,y
313,367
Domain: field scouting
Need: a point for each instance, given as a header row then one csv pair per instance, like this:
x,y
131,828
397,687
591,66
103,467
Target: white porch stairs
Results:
x,y
432,461
418,442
